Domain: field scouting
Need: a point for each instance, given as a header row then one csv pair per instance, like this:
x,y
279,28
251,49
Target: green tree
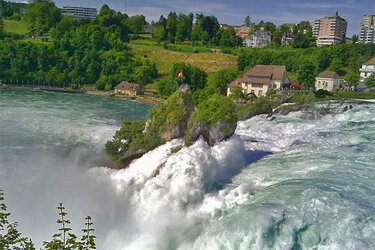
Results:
x,y
355,38
237,94
247,21
352,78
370,81
43,15
162,21
10,237
193,76
221,78
269,26
277,36
160,33
142,75
1,28
136,24
337,66
171,26
307,73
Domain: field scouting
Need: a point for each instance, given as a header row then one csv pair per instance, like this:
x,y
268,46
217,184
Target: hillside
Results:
x,y
164,59
16,27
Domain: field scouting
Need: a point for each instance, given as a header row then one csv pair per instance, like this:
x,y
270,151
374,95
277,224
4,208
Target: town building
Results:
x,y
287,39
127,88
80,12
330,30
260,79
367,70
23,11
149,29
367,29
223,25
242,31
259,39
329,81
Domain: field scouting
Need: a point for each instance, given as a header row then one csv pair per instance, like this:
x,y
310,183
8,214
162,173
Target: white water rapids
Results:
x,y
282,184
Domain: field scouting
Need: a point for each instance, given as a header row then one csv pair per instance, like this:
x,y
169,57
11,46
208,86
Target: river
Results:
x,y
282,184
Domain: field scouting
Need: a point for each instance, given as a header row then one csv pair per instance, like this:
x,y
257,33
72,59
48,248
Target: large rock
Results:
x,y
220,132
177,131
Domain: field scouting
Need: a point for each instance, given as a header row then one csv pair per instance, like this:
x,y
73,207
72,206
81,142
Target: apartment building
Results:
x,y
259,39
80,12
330,30
367,29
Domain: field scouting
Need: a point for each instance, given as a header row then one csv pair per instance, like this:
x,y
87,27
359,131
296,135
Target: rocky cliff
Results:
x,y
215,119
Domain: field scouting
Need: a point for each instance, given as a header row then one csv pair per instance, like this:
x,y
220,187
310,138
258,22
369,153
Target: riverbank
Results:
x,y
143,99
43,89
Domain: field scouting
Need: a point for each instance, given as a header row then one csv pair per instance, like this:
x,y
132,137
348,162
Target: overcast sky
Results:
x,y
233,12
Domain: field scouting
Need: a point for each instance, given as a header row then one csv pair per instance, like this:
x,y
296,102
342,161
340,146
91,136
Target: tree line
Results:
x,y
81,51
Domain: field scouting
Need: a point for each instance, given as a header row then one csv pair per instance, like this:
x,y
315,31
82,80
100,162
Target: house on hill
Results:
x,y
329,81
368,69
260,79
261,38
126,88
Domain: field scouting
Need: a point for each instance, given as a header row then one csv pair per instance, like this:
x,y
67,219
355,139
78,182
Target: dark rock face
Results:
x,y
129,157
174,132
220,132
214,135
196,130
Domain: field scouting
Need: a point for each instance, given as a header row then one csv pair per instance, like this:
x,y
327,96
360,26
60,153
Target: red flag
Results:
x,y
179,75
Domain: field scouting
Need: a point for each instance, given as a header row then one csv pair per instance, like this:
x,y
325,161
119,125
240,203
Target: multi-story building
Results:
x,y
330,30
260,79
259,39
367,69
242,31
367,29
287,39
79,12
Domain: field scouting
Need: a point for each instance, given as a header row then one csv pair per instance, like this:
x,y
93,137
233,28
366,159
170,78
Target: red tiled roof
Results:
x,y
371,62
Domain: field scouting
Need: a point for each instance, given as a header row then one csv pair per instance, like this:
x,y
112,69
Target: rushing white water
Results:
x,y
280,184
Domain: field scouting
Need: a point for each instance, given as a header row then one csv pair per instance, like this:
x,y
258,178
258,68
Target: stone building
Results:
x,y
329,81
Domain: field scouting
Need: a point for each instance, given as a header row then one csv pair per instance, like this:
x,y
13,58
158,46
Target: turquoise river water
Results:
x,y
282,184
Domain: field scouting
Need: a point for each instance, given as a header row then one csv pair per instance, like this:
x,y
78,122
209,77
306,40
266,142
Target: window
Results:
x,y
260,93
257,85
252,91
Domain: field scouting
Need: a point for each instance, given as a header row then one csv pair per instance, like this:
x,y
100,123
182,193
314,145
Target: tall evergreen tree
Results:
x,y
171,26
247,21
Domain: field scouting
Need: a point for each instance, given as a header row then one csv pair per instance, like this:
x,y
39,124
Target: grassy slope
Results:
x,y
164,59
16,27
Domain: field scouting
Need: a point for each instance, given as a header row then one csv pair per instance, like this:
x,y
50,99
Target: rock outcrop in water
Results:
x,y
215,119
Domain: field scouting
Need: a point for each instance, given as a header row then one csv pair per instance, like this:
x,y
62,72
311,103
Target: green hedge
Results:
x,y
357,95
